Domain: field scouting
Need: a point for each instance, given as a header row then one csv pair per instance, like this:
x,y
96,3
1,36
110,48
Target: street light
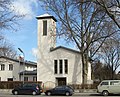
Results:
x,y
23,61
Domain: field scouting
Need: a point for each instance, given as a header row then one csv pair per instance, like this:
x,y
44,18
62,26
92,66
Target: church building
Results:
x,y
56,65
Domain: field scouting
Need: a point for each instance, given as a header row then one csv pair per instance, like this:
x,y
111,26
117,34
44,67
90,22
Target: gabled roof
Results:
x,y
16,60
61,47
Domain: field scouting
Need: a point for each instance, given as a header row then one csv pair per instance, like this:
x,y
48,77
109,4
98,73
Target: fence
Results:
x,y
13,84
85,86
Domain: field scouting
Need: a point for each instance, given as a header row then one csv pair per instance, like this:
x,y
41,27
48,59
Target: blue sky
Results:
x,y
26,36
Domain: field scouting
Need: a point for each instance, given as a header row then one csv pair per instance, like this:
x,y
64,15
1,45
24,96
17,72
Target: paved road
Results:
x,y
43,95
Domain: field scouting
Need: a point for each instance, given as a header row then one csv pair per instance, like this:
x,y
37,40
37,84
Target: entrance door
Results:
x,y
10,79
61,81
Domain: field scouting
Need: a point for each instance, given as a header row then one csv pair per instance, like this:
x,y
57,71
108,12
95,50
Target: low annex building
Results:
x,y
12,70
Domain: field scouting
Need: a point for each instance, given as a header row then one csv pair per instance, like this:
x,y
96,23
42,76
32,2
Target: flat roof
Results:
x,y
46,16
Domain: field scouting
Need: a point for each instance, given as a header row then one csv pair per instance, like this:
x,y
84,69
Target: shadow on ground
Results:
x,y
102,95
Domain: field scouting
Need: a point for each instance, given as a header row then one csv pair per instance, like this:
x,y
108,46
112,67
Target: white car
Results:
x,y
107,87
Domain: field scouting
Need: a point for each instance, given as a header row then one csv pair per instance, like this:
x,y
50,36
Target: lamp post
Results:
x,y
23,61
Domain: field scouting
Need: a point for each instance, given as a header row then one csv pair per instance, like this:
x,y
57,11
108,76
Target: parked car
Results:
x,y
107,87
33,89
60,90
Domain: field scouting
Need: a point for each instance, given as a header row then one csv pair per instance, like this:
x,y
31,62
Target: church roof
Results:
x,y
61,47
46,16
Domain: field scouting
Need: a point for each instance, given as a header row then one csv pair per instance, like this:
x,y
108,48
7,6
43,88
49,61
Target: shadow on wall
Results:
x,y
77,69
47,66
46,62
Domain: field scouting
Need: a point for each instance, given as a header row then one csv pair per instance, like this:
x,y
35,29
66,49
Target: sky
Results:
x,y
25,37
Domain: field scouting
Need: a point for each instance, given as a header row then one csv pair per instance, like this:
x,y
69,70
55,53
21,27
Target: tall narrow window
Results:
x,y
60,66
55,67
44,28
66,66
10,67
2,67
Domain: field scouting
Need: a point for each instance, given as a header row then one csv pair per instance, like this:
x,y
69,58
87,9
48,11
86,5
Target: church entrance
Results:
x,y
61,81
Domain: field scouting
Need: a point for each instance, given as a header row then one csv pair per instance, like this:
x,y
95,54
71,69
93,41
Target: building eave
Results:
x,y
29,72
16,60
46,16
61,47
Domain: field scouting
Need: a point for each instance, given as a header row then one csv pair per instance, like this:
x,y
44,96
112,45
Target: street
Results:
x,y
43,95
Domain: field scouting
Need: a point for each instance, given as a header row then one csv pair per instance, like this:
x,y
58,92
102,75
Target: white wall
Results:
x,y
45,62
46,42
7,73
17,68
46,67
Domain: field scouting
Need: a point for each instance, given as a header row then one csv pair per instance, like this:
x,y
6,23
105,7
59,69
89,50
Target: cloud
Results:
x,y
25,7
35,52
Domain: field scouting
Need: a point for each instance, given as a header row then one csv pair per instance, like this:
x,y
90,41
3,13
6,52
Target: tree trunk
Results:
x,y
85,69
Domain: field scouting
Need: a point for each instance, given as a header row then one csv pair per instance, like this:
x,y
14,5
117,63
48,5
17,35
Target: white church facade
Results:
x,y
56,65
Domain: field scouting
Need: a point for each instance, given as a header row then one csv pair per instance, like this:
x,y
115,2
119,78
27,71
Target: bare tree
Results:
x,y
111,54
85,24
8,18
6,49
100,71
110,7
1,37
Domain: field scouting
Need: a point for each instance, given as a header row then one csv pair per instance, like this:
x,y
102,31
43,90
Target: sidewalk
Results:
x,y
85,92
5,90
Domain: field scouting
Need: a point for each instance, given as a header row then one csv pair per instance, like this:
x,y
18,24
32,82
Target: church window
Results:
x,y
44,28
60,67
66,66
55,66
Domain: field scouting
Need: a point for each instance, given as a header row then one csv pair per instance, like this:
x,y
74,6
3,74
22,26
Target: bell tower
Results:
x,y
46,33
46,41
